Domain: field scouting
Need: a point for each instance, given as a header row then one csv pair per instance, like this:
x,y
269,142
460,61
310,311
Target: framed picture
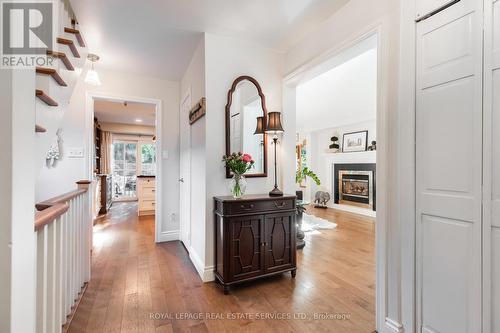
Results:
x,y
355,141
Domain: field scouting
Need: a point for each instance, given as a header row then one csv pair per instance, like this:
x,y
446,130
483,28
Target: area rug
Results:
x,y
311,222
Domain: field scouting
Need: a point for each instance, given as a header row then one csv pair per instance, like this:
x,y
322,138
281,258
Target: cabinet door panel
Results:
x,y
245,248
280,241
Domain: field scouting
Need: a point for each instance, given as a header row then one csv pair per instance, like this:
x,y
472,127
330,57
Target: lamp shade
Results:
x,y
274,123
260,126
92,78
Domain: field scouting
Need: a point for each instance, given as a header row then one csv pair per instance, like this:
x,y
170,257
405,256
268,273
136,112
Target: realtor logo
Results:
x,y
27,28
26,34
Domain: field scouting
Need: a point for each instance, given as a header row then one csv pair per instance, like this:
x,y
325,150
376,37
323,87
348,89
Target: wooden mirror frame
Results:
x,y
228,123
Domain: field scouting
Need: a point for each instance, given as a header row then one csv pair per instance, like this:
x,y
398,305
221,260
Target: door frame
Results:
x,y
89,133
290,82
186,97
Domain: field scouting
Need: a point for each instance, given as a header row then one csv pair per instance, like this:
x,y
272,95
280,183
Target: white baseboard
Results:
x,y
206,273
167,236
393,326
356,210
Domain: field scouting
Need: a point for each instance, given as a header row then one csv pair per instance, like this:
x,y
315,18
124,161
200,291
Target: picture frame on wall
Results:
x,y
355,141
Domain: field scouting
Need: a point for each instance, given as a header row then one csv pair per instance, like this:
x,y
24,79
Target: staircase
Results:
x,y
56,81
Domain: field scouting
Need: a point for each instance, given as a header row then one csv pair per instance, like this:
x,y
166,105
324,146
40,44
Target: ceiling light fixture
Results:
x,y
138,120
92,77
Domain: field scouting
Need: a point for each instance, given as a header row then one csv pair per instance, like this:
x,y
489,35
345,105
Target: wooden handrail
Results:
x,y
63,198
48,215
51,209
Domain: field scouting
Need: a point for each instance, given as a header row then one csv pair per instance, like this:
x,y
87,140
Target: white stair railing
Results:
x,y
63,228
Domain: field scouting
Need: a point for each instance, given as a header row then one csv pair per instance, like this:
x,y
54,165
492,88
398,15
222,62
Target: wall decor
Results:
x,y
246,121
373,146
55,150
355,141
198,111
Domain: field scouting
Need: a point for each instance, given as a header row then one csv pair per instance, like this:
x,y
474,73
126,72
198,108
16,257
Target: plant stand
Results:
x,y
300,234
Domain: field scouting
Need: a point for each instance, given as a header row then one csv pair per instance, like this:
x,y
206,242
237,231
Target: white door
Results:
x,y
185,174
449,169
491,224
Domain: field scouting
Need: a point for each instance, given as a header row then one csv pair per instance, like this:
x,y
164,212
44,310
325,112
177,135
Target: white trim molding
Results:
x,y
393,326
168,236
206,273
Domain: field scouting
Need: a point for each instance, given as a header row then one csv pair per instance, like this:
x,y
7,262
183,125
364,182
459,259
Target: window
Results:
x,y
124,169
148,159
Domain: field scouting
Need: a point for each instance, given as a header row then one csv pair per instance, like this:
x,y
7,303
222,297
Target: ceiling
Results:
x,y
116,112
157,38
343,95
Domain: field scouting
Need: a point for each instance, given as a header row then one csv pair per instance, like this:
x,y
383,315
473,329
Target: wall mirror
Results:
x,y
245,103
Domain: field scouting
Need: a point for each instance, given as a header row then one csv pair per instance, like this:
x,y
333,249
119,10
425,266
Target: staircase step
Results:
x,y
71,45
77,34
52,72
40,129
63,57
45,98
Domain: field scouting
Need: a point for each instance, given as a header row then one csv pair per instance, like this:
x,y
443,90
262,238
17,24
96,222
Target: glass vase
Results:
x,y
237,186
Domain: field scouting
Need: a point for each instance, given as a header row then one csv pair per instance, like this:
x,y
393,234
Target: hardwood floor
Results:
x,y
138,286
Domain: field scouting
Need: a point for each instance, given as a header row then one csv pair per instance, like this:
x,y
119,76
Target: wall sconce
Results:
x,y
92,77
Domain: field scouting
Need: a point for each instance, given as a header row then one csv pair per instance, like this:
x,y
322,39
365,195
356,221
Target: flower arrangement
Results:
x,y
239,163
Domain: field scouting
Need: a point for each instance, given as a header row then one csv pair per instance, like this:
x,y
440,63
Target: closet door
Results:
x,y
491,166
449,169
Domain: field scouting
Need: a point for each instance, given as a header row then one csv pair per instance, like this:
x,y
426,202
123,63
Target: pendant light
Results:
x,y
92,77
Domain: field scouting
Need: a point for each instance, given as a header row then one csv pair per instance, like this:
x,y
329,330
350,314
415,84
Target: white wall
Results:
x,y
357,18
17,170
193,81
226,59
320,162
116,84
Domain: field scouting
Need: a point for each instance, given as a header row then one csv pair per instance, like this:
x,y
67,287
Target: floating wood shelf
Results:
x,y
70,44
40,129
45,98
52,72
77,34
62,56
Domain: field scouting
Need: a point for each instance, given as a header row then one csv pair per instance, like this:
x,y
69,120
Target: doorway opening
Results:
x,y
337,106
124,165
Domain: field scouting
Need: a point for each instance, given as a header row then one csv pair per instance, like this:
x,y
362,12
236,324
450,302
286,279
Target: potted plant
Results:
x,y
239,163
304,173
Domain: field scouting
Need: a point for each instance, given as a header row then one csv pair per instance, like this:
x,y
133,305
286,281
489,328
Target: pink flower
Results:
x,y
247,158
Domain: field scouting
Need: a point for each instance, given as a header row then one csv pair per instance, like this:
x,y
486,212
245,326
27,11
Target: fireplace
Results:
x,y
354,184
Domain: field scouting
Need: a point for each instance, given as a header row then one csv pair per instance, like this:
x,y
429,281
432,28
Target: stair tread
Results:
x,y
40,129
70,44
45,98
77,33
63,57
52,72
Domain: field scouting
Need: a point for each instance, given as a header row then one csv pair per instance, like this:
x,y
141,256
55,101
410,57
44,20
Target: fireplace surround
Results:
x,y
355,183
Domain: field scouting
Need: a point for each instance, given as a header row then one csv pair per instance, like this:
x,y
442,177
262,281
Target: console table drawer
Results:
x,y
246,207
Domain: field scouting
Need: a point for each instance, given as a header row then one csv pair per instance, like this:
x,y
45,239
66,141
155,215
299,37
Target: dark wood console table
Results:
x,y
255,237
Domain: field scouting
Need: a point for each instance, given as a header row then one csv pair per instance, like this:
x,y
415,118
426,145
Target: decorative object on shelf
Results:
x,y
321,198
239,164
55,150
198,111
373,146
335,143
301,176
355,141
274,127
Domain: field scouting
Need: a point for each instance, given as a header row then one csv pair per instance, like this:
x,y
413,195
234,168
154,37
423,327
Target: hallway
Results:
x,y
138,286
